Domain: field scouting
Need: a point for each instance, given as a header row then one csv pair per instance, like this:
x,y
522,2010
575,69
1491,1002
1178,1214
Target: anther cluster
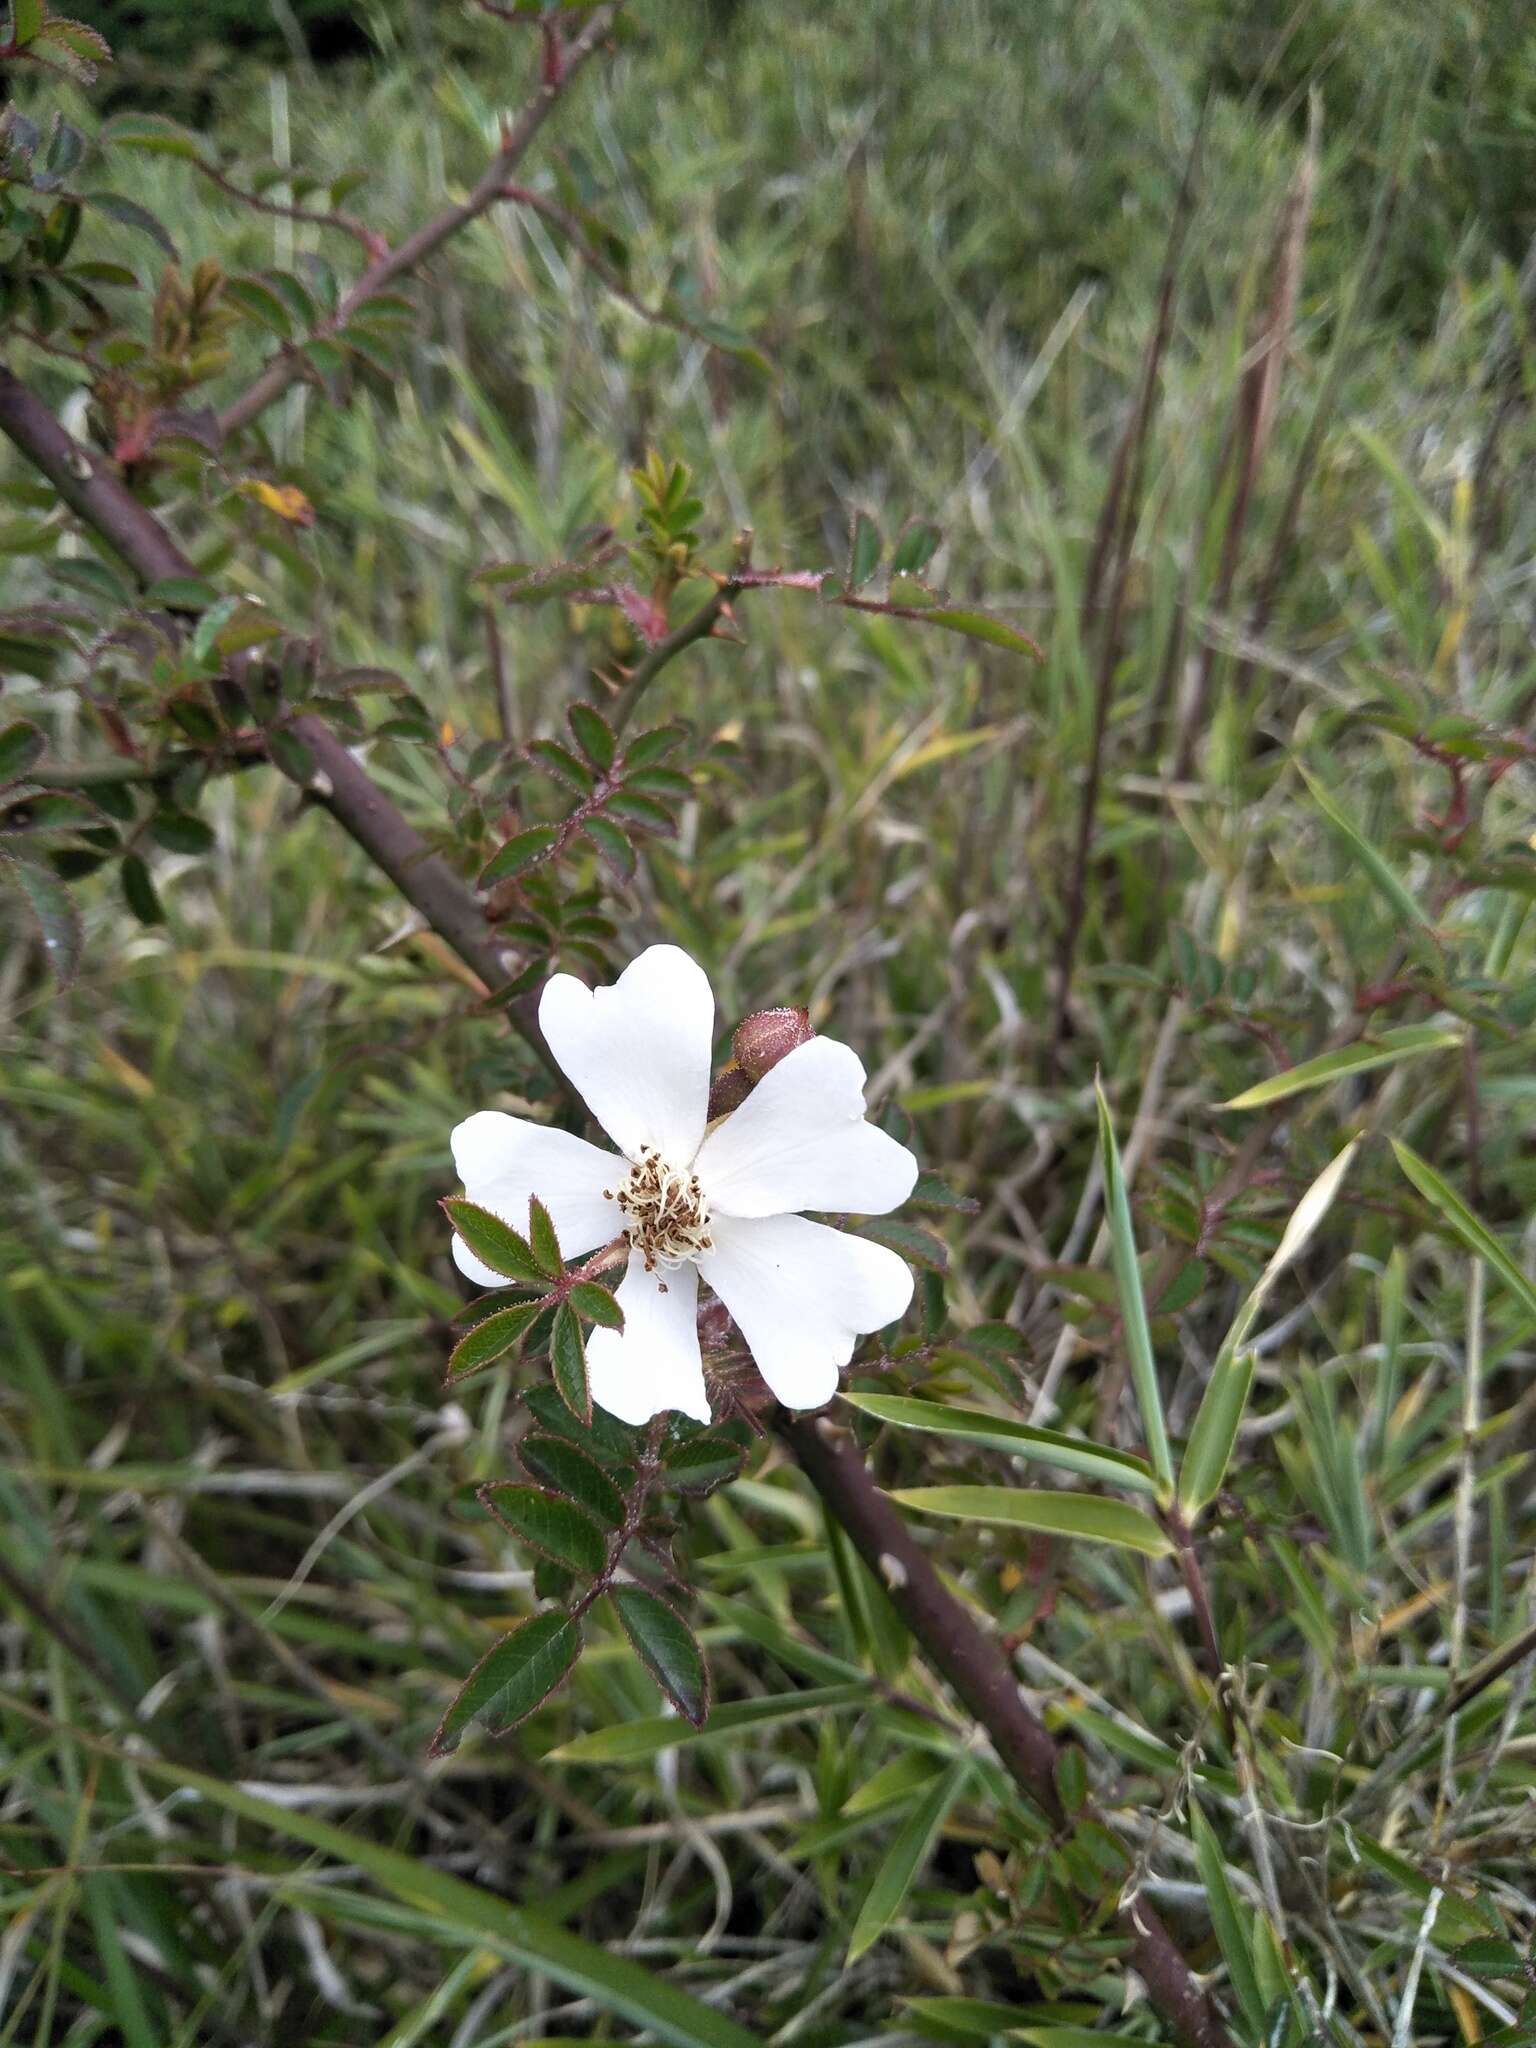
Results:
x,y
665,1216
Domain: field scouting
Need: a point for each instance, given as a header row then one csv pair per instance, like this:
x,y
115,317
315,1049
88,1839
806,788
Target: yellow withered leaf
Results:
x,y
286,500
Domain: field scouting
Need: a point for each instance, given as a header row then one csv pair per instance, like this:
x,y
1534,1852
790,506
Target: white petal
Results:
x,y
800,1141
802,1294
638,1052
502,1161
652,1363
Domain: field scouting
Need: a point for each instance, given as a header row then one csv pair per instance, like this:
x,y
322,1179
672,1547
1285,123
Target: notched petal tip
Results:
x,y
638,1050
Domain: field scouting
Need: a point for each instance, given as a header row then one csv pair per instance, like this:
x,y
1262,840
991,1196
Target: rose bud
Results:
x,y
763,1039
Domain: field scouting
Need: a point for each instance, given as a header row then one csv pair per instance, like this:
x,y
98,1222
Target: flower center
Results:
x,y
665,1216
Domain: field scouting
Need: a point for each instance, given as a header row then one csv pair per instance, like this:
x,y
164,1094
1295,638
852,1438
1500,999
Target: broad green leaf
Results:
x,y
48,811
550,1523
21,747
568,1362
631,1741
181,594
1472,1231
542,1241
569,1471
1083,1515
643,811
27,17
53,909
129,214
596,1305
982,626
653,745
513,1677
667,1647
905,1858
593,735
932,1193
295,296
670,783
329,358
561,762
702,1463
513,1933
151,132
612,844
83,42
1384,1050
489,1340
902,1778
1226,1395
523,851
1001,1433
864,546
1222,1407
180,832
603,1438
918,1247
261,304
291,755
1133,1307
495,1242
915,549
733,342
139,890
1229,1920
1388,882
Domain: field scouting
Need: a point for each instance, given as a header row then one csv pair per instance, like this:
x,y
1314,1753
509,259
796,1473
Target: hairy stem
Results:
x,y
697,626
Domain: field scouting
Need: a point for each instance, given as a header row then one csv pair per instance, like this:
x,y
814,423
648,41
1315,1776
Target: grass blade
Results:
x,y
1133,1306
1381,1051
1083,1515
1226,1395
1386,878
1002,1433
904,1859
631,1740
615,1983
1228,1919
1472,1231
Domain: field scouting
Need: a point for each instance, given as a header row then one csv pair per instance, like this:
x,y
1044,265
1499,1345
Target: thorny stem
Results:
x,y
573,231
349,224
970,1662
287,367
698,626
974,1665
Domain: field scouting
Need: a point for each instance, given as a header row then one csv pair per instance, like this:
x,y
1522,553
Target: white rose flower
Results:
x,y
720,1202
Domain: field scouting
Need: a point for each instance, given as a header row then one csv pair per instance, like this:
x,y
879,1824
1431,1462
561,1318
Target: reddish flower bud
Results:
x,y
763,1039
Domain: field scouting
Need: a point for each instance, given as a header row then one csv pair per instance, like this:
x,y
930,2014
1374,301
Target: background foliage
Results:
x,y
909,261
